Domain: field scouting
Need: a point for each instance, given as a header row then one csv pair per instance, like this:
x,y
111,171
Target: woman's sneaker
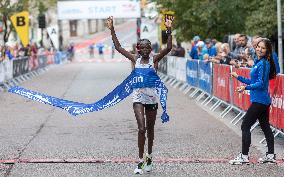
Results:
x,y
240,159
148,163
139,168
268,158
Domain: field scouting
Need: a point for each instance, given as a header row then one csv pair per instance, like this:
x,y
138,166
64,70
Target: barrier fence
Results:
x,y
10,69
214,80
242,101
20,66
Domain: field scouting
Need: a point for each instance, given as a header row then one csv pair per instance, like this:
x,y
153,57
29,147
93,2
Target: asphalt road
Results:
x,y
34,131
193,143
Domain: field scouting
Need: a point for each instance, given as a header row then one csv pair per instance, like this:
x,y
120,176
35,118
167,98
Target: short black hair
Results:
x,y
243,35
143,41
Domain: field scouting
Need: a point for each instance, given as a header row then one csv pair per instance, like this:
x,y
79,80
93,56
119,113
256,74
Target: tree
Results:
x,y
216,18
9,8
263,19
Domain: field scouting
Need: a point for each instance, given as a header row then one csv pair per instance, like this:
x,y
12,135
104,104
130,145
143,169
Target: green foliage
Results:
x,y
42,8
7,9
217,18
263,20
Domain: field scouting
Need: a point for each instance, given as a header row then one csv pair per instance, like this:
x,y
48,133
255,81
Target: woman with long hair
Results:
x,y
262,71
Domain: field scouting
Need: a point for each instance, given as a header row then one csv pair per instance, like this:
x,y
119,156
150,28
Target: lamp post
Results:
x,y
279,24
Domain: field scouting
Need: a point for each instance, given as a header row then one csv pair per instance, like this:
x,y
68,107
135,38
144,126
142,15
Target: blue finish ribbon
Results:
x,y
139,78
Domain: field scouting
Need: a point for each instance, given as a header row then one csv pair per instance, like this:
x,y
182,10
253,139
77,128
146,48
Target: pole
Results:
x,y
280,48
41,41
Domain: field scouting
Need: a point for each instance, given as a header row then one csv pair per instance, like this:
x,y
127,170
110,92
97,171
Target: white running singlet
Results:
x,y
145,95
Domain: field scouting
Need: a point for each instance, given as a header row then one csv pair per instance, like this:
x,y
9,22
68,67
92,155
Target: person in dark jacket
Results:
x,y
262,71
180,50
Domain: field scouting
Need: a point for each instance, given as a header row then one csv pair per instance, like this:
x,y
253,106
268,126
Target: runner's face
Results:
x,y
145,49
261,49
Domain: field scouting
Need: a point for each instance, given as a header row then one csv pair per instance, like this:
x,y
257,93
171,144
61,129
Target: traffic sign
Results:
x,y
21,24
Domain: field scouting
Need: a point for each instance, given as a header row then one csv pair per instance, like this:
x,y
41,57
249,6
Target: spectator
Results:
x,y
91,50
179,51
174,50
100,47
243,41
60,42
200,50
71,51
210,49
195,40
226,54
214,41
16,50
276,62
155,47
236,41
249,59
1,53
34,51
241,44
255,40
112,51
206,58
8,53
194,53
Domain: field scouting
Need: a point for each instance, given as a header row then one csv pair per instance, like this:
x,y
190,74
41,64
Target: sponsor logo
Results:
x,y
191,73
221,82
134,80
277,101
204,76
129,7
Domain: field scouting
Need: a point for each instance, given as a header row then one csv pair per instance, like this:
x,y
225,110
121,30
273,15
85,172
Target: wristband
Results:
x,y
169,32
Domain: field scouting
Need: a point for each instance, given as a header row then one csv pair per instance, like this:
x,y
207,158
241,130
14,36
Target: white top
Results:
x,y
145,95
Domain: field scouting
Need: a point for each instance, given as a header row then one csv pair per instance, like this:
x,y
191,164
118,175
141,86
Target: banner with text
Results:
x,y
98,9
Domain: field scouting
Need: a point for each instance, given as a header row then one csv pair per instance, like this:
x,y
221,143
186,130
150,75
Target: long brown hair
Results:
x,y
269,57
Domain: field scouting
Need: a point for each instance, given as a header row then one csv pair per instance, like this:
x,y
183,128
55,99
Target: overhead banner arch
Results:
x,y
72,10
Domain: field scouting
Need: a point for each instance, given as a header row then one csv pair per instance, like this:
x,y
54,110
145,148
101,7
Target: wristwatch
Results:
x,y
169,32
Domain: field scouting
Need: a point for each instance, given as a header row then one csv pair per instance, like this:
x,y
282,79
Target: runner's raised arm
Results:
x,y
109,23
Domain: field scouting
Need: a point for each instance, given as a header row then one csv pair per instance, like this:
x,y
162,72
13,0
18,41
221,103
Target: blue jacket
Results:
x,y
258,84
194,53
212,51
276,62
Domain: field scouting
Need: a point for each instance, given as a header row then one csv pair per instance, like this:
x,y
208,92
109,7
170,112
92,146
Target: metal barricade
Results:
x,y
20,66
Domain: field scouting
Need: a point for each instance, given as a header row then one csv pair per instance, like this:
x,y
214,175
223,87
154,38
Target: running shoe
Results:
x,y
139,168
240,159
148,163
268,158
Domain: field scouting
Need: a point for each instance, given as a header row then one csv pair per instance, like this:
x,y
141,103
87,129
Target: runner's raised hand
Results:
x,y
109,22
